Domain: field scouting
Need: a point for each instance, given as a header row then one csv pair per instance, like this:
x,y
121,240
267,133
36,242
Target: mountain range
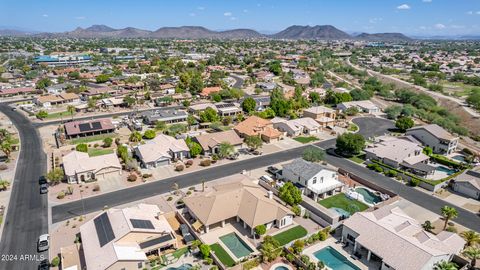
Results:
x,y
319,32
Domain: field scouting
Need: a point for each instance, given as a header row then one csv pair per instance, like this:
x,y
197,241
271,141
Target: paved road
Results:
x,y
27,215
238,81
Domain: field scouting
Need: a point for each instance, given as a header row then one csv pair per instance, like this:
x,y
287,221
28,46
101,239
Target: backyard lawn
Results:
x,y
93,152
343,202
291,234
91,138
180,252
58,115
306,139
222,255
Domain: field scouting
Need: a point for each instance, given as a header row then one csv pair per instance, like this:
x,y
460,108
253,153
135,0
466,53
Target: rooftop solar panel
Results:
x,y
142,224
104,229
84,127
96,125
156,241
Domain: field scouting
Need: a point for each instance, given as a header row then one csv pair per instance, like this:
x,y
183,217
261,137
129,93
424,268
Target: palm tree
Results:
x,y
427,226
269,252
445,265
470,237
448,213
473,253
225,149
71,109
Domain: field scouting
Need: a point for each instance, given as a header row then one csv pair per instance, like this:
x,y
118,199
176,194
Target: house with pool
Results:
x,y
317,181
393,240
434,136
241,202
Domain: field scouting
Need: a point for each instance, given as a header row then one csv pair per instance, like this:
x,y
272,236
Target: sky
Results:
x,y
413,17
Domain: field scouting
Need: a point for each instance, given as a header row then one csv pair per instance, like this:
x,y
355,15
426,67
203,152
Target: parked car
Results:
x,y
272,170
257,153
43,242
42,180
267,179
187,236
43,189
44,265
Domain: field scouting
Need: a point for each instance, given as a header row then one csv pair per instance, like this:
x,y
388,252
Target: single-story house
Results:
x,y
207,91
365,106
80,167
256,126
211,141
53,100
124,238
167,116
161,150
468,184
17,91
397,241
240,201
318,180
299,126
323,115
434,136
83,128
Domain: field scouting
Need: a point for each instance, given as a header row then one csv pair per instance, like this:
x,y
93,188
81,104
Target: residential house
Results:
x,y
211,141
161,150
228,109
365,106
124,238
323,115
261,102
297,127
168,116
397,241
80,167
434,136
207,91
256,126
265,76
266,86
98,92
83,128
468,184
17,91
238,201
317,180
400,152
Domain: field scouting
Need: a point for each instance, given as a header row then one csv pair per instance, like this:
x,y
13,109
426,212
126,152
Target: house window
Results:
x,y
350,237
321,179
314,180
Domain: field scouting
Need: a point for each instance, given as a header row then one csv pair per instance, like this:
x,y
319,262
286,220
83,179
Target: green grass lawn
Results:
x,y
291,234
93,152
58,115
222,255
91,138
180,252
352,127
306,139
358,158
343,202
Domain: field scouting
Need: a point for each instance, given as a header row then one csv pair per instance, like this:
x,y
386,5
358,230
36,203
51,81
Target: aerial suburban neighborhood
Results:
x,y
188,148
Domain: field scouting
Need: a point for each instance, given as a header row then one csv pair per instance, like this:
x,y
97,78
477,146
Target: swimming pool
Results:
x,y
459,158
340,211
281,268
368,195
185,266
446,170
334,260
236,245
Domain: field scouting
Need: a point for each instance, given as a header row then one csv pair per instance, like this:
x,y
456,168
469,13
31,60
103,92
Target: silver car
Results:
x,y
43,242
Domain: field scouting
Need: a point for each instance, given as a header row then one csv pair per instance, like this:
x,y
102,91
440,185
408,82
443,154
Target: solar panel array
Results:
x,y
224,105
104,229
85,127
142,224
156,241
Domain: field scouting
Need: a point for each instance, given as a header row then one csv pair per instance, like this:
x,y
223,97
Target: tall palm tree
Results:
x,y
71,109
470,237
445,265
473,253
448,213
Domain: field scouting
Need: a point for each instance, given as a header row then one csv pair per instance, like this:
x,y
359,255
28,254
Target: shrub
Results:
x,y
251,264
205,162
208,261
169,198
392,173
296,210
290,257
260,229
414,182
107,142
96,187
60,195
3,167
132,177
298,246
189,192
82,148
179,168
189,162
146,175
378,169
451,229
55,262
205,250
95,145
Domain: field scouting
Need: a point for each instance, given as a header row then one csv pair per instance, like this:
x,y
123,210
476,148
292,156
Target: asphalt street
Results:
x,y
238,81
27,214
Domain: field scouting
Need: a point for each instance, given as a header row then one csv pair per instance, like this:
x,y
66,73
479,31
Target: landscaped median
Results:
x,y
222,255
291,234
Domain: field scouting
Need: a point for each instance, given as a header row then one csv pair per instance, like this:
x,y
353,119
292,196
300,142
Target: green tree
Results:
x,y
122,152
313,154
260,229
352,111
129,101
269,252
102,78
43,83
55,176
275,67
83,147
107,142
205,250
6,142
71,110
404,123
393,111
471,237
195,149
160,125
191,120
473,98
135,136
249,104
350,143
149,134
209,115
427,226
314,98
42,114
445,265
448,214
225,149
254,142
473,253
427,150
290,194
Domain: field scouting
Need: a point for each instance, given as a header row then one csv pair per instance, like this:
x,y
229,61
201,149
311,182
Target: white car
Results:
x,y
43,242
266,178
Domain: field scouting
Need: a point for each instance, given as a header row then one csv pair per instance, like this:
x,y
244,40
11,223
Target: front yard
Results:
x,y
343,202
93,152
306,139
291,234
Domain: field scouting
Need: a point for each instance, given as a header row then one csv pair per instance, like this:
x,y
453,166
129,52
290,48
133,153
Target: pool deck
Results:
x,y
338,247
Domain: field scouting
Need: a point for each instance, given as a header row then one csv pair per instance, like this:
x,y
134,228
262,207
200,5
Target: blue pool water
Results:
x,y
459,158
185,266
236,245
281,268
334,260
448,171
369,196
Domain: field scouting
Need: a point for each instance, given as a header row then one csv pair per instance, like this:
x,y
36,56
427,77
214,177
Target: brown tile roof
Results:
x,y
255,125
209,90
210,140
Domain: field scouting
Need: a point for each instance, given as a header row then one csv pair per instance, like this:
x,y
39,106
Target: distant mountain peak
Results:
x,y
100,28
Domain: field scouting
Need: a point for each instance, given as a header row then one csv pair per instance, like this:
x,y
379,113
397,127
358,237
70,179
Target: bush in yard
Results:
x,y
179,168
296,210
290,194
208,261
205,163
404,123
169,198
392,173
189,162
298,246
60,195
3,167
82,148
260,229
305,259
132,177
149,134
290,257
378,169
55,262
205,250
350,143
414,182
107,142
95,145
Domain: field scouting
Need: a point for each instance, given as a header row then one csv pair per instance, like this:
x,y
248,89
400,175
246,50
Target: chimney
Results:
x,y
270,194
